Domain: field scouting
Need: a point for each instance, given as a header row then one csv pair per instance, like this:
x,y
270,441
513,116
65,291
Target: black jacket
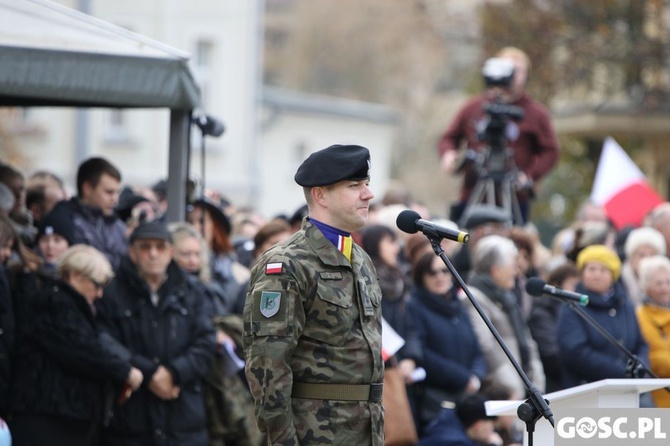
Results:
x,y
106,233
178,334
6,339
60,367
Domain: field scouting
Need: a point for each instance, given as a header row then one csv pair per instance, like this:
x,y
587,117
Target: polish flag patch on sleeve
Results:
x,y
273,268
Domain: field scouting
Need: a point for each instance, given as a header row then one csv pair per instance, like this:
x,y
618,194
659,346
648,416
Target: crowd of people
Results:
x,y
117,328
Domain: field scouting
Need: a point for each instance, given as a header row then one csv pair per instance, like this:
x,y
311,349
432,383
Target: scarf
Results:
x,y
342,240
510,305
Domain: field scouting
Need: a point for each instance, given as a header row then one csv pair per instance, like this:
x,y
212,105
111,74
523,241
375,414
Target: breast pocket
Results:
x,y
332,314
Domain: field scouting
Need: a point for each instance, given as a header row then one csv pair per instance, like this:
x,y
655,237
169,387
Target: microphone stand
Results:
x,y
636,368
535,406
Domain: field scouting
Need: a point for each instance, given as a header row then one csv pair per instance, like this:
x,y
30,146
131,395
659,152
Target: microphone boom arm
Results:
x,y
635,363
535,406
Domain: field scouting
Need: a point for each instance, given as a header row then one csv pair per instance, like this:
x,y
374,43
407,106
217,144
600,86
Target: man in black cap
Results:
x,y
157,316
312,317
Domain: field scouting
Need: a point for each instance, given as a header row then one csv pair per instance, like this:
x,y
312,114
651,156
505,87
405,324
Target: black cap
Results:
x,y
471,408
58,221
151,230
333,164
215,212
481,214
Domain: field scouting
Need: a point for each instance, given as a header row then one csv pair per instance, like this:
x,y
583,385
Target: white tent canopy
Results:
x,y
51,55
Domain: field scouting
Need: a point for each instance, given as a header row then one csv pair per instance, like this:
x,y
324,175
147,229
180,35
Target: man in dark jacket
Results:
x,y
92,211
154,314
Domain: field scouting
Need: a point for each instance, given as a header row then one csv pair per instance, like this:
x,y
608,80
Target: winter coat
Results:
x,y
106,233
587,355
542,324
60,366
178,334
394,309
500,368
6,339
446,430
450,350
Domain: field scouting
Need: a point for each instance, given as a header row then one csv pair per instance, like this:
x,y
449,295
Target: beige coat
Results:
x,y
500,369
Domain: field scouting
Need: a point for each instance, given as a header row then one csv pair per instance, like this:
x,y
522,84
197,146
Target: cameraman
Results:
x,y
532,139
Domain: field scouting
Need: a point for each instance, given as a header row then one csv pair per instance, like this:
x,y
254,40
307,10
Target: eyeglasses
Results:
x,y
99,285
435,272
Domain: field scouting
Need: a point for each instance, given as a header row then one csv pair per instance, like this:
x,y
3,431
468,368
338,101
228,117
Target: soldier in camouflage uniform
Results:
x,y
312,318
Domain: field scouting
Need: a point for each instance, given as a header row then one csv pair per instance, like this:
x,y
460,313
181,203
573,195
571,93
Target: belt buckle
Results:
x,y
376,390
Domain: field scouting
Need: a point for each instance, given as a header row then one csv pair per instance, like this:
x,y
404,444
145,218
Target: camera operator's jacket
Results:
x,y
313,317
536,149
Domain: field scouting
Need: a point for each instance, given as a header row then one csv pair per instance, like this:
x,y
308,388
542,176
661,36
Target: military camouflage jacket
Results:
x,y
313,317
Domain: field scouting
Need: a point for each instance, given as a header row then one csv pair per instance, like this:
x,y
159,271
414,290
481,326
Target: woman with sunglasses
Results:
x,y
61,371
450,352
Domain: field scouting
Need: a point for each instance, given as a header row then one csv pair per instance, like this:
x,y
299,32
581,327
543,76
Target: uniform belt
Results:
x,y
341,392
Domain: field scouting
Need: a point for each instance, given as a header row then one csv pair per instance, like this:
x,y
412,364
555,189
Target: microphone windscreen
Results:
x,y
535,286
406,221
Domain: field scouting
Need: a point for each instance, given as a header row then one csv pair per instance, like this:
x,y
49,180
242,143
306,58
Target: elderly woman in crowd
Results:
x,y
493,285
587,355
640,243
654,318
450,352
61,370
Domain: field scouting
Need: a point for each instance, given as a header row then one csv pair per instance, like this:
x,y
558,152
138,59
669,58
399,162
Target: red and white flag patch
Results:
x,y
273,268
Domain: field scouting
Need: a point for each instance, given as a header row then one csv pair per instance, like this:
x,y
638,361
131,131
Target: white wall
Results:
x,y
247,168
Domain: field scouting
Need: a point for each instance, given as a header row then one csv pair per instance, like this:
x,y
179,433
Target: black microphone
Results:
x,y
411,222
537,287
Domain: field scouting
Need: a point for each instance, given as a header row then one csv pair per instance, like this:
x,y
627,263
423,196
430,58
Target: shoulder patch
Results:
x,y
274,268
270,303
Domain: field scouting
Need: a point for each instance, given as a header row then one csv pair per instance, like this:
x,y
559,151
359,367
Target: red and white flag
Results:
x,y
621,188
391,341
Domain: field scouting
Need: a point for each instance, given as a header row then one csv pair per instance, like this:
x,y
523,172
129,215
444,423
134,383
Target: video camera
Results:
x,y
493,129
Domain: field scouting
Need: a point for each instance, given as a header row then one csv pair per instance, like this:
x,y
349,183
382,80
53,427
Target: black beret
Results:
x,y
151,230
333,164
481,214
